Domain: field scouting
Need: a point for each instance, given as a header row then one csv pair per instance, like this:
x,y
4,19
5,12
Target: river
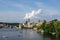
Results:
x,y
23,34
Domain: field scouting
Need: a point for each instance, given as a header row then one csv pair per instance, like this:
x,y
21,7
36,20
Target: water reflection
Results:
x,y
24,34
47,36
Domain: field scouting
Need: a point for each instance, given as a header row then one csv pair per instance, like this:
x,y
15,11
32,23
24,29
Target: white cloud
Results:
x,y
48,12
47,9
32,14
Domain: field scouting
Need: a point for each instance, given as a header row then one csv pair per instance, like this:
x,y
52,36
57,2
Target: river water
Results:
x,y
24,34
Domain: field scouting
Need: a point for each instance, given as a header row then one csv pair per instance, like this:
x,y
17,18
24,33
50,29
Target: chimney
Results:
x,y
28,20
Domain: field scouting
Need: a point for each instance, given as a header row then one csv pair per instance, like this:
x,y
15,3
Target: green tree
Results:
x,y
43,25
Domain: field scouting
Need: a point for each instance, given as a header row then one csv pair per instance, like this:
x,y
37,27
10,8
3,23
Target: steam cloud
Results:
x,y
32,14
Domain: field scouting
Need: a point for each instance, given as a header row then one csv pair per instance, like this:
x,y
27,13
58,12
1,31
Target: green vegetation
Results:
x,y
50,27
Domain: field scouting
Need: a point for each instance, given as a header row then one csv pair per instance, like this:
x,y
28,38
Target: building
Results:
x,y
39,23
28,24
20,26
1,25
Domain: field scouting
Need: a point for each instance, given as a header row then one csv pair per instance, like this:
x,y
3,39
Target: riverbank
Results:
x,y
51,27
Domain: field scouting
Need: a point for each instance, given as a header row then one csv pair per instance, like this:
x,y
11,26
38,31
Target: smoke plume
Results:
x,y
32,14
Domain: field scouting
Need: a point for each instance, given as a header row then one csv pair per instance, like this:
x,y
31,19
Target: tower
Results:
x,y
28,23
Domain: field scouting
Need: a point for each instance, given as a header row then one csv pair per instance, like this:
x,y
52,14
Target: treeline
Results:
x,y
12,23
9,23
50,27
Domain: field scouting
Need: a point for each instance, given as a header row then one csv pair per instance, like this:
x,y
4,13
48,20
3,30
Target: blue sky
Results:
x,y
15,10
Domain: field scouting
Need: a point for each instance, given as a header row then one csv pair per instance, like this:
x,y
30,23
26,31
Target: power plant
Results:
x,y
27,24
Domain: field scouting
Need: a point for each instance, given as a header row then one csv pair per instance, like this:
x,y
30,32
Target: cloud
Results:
x,y
47,10
12,11
18,10
32,14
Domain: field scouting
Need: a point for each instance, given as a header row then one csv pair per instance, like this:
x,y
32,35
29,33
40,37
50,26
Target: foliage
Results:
x,y
52,26
43,25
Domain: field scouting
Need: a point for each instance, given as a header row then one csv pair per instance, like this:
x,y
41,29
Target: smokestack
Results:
x,y
28,20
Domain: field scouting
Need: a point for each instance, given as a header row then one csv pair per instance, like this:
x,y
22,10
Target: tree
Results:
x,y
43,25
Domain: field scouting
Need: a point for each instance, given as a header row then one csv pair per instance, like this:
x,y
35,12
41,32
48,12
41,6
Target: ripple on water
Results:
x,y
4,36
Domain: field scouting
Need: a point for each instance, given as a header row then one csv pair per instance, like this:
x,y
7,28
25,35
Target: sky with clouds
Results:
x,y
15,10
